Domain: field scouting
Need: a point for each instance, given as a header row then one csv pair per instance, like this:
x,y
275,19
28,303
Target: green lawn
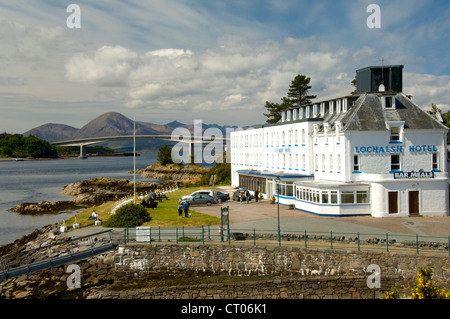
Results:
x,y
165,215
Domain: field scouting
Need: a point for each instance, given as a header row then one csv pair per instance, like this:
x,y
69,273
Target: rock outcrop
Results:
x,y
173,171
89,192
44,207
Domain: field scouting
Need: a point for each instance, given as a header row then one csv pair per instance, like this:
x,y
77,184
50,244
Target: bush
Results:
x,y
129,215
424,287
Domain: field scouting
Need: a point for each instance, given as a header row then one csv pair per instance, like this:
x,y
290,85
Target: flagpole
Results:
x,y
134,158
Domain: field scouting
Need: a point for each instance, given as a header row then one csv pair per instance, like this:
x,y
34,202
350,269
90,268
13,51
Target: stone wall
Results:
x,y
330,268
308,287
293,272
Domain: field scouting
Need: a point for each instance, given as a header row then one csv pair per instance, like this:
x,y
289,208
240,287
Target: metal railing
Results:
x,y
56,254
387,242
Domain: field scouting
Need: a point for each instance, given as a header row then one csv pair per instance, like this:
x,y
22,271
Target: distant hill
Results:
x,y
114,124
52,132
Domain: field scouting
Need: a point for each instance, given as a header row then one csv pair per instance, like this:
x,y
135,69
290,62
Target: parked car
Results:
x,y
222,197
201,199
200,192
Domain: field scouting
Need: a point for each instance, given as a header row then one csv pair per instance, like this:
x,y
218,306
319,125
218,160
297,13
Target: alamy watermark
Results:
x,y
190,145
74,19
374,19
74,279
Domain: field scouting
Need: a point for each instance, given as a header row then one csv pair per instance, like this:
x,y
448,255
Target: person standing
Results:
x,y
180,209
256,195
186,208
247,196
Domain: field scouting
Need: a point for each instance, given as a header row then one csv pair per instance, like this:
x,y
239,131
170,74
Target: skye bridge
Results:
x,y
192,141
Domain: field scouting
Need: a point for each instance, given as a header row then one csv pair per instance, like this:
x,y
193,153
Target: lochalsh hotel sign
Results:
x,y
399,149
395,149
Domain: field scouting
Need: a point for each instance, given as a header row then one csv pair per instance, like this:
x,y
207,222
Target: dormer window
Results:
x,y
388,102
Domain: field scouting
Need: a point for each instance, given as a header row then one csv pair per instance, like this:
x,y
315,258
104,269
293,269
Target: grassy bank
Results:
x,y
165,215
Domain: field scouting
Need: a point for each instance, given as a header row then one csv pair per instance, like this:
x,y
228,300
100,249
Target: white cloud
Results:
x,y
428,89
233,75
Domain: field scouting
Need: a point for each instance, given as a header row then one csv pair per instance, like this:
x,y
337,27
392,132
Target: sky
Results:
x,y
217,61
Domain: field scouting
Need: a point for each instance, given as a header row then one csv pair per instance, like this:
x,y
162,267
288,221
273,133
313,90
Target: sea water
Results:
x,y
43,180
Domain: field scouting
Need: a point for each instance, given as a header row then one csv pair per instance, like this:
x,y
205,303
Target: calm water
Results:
x,y
35,181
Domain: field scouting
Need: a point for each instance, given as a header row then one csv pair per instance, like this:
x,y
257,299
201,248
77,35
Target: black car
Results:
x,y
222,197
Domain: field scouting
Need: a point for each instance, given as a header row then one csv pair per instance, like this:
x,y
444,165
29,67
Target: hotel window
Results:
x,y
331,162
362,197
395,162
284,138
395,134
435,161
388,102
316,162
339,163
296,137
303,137
356,163
331,107
325,197
303,161
296,161
347,197
333,197
338,106
323,162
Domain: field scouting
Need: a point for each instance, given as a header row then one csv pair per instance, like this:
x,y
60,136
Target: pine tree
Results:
x,y
297,96
298,91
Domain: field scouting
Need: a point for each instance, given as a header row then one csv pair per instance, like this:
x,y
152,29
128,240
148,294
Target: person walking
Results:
x,y
247,196
256,195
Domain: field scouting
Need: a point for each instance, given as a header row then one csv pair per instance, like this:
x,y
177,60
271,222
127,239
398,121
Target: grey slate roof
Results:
x,y
367,114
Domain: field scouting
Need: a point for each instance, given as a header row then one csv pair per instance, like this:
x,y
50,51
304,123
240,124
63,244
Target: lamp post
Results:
x,y
277,181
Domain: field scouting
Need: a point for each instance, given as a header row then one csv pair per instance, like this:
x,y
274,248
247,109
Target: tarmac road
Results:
x,y
263,215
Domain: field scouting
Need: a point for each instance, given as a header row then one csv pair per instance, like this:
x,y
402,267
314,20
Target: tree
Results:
x,y
297,95
354,85
298,91
165,155
275,110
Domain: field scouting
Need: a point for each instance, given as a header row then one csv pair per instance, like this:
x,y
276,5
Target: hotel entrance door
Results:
x,y
413,199
393,202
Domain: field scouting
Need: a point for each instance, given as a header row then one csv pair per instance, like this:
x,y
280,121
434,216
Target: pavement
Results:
x,y
263,216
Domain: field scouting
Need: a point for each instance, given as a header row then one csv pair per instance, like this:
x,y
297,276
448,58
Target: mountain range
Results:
x,y
114,124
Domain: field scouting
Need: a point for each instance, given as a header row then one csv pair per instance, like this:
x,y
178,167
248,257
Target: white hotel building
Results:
x,y
375,153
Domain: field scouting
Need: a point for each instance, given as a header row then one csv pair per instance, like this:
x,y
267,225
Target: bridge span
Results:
x,y
191,140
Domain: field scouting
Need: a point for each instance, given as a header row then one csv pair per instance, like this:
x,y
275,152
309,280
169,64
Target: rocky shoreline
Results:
x,y
89,192
99,190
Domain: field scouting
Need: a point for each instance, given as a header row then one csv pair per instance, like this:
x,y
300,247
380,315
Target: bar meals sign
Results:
x,y
408,175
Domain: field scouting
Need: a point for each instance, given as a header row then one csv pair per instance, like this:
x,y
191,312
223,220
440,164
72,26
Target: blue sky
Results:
x,y
215,61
